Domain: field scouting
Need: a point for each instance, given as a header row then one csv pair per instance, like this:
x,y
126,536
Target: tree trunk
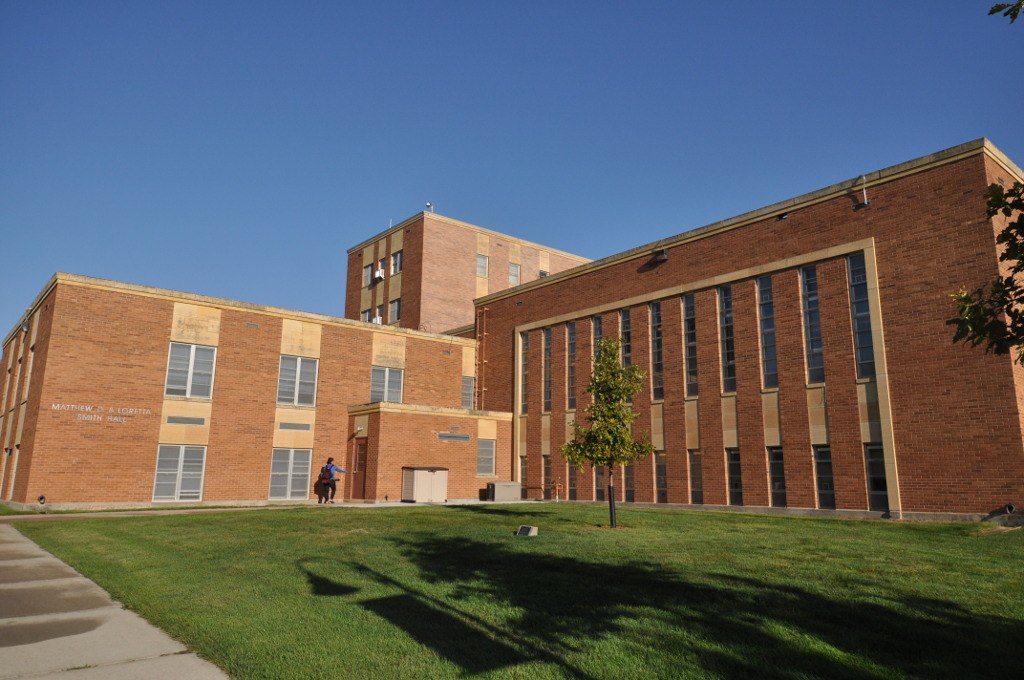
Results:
x,y
611,496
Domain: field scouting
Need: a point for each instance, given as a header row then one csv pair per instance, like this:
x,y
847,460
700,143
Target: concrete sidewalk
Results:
x,y
55,623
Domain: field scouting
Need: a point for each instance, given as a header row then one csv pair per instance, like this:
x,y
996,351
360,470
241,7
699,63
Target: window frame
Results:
x,y
189,378
814,342
776,473
397,260
468,388
298,379
657,353
388,371
570,364
178,474
860,295
766,326
517,278
727,339
486,262
692,388
395,310
734,474
290,476
546,371
367,275
480,457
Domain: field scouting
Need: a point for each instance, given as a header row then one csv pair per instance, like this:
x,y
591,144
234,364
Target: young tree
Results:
x,y
608,440
995,317
1010,10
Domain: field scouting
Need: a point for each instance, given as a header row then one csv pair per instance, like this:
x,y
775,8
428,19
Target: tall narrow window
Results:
x,y
627,337
468,391
524,490
366,315
179,473
543,274
395,311
367,275
523,365
289,474
296,383
380,267
629,481
546,369
657,367
660,478
570,367
727,342
190,371
812,325
572,481
599,482
696,477
485,457
380,315
777,476
690,340
481,266
823,471
386,384
396,262
766,308
732,457
546,470
878,491
513,274
596,323
861,313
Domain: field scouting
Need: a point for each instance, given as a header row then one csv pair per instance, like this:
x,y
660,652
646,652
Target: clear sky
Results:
x,y
239,149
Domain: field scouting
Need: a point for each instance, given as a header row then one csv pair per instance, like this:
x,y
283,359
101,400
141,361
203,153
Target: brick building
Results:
x,y
797,356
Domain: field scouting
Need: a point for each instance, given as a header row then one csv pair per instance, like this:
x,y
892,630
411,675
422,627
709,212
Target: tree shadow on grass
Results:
x,y
498,512
726,625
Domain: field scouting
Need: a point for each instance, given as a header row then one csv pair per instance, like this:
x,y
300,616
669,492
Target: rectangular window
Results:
x,y
690,340
861,312
546,471
696,477
657,366
485,457
386,384
543,274
513,274
366,315
732,457
379,318
468,391
523,491
660,478
878,491
727,342
599,483
380,266
296,383
628,483
523,365
812,325
777,476
179,473
190,371
766,310
823,471
596,326
627,337
570,365
367,275
481,266
396,262
289,474
546,369
572,481
395,310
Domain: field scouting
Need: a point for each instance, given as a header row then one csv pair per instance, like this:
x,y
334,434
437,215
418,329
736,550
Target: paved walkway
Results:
x,y
55,623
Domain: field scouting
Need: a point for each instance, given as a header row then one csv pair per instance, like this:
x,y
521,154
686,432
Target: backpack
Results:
x,y
326,476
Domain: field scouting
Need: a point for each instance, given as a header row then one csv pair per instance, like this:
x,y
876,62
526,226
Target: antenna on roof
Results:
x,y
430,206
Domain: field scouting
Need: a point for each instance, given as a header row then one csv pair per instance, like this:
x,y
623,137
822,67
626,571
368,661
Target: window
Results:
x,y
696,477
289,474
481,266
543,274
878,491
179,473
657,376
365,315
396,262
861,313
660,478
629,482
468,391
823,471
546,369
525,352
386,384
296,383
777,476
570,364
766,309
485,457
367,275
732,457
380,314
812,325
190,371
546,470
572,481
727,342
627,337
690,340
381,263
596,323
513,274
599,483
395,310
523,492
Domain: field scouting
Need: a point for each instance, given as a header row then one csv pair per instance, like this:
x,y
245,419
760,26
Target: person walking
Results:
x,y
328,481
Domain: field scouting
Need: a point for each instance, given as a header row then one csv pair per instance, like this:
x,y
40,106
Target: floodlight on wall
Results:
x,y
782,216
661,255
864,202
430,206
42,500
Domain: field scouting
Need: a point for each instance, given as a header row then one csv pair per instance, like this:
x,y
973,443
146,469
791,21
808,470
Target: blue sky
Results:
x,y
239,149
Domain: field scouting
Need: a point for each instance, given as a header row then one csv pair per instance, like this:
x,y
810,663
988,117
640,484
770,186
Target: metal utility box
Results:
x,y
502,492
424,485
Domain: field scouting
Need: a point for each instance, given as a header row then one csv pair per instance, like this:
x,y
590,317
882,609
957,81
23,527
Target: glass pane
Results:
x,y
286,381
377,376
395,385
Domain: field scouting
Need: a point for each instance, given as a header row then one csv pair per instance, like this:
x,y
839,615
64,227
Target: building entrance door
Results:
x,y
359,470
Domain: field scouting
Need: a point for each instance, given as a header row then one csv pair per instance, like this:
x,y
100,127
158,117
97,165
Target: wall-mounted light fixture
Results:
x,y
661,255
864,202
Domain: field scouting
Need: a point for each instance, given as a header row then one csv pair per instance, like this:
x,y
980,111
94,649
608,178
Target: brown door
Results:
x,y
359,470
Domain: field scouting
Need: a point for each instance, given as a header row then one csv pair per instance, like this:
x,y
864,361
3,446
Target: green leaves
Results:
x,y
1009,9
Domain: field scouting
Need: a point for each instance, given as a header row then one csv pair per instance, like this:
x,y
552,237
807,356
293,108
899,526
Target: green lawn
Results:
x,y
435,592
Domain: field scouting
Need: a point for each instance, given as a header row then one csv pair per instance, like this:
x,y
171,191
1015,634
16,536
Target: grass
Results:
x,y
446,592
